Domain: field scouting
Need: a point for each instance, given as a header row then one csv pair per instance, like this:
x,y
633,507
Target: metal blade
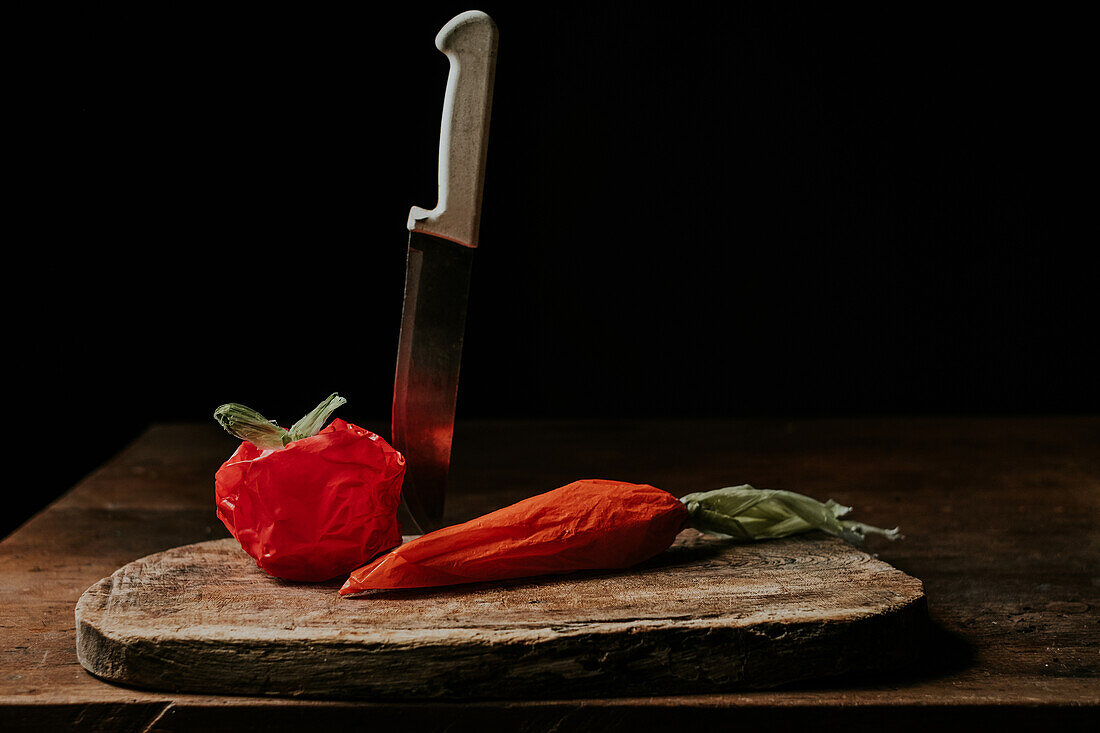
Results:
x,y
437,280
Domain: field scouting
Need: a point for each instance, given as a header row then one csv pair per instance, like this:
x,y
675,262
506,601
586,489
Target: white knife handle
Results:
x,y
470,42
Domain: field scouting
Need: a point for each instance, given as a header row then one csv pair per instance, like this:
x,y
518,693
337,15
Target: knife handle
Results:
x,y
470,42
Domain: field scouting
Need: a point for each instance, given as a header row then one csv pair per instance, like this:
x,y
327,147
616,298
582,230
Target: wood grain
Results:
x,y
1000,517
706,615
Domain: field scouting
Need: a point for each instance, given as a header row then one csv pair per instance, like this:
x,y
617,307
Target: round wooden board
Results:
x,y
706,615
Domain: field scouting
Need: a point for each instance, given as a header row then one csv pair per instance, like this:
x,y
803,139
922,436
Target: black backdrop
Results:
x,y
701,210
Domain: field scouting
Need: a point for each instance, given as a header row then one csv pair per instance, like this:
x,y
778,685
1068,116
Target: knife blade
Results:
x,y
442,242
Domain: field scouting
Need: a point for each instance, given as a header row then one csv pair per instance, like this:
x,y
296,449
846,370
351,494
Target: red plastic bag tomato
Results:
x,y
317,508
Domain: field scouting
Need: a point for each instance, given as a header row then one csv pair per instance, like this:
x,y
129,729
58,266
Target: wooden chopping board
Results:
x,y
706,615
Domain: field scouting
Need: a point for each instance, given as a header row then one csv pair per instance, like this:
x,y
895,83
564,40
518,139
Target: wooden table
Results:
x,y
1000,517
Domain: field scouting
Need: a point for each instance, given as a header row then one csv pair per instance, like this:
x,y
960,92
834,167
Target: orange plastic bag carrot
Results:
x,y
595,524
586,525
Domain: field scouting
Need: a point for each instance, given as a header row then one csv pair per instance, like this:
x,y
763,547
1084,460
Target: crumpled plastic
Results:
x,y
749,514
586,525
316,509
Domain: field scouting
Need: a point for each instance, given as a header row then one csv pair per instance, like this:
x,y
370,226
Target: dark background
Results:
x,y
704,210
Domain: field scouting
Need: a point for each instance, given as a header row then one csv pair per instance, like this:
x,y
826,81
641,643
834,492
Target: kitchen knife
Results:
x,y
442,242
